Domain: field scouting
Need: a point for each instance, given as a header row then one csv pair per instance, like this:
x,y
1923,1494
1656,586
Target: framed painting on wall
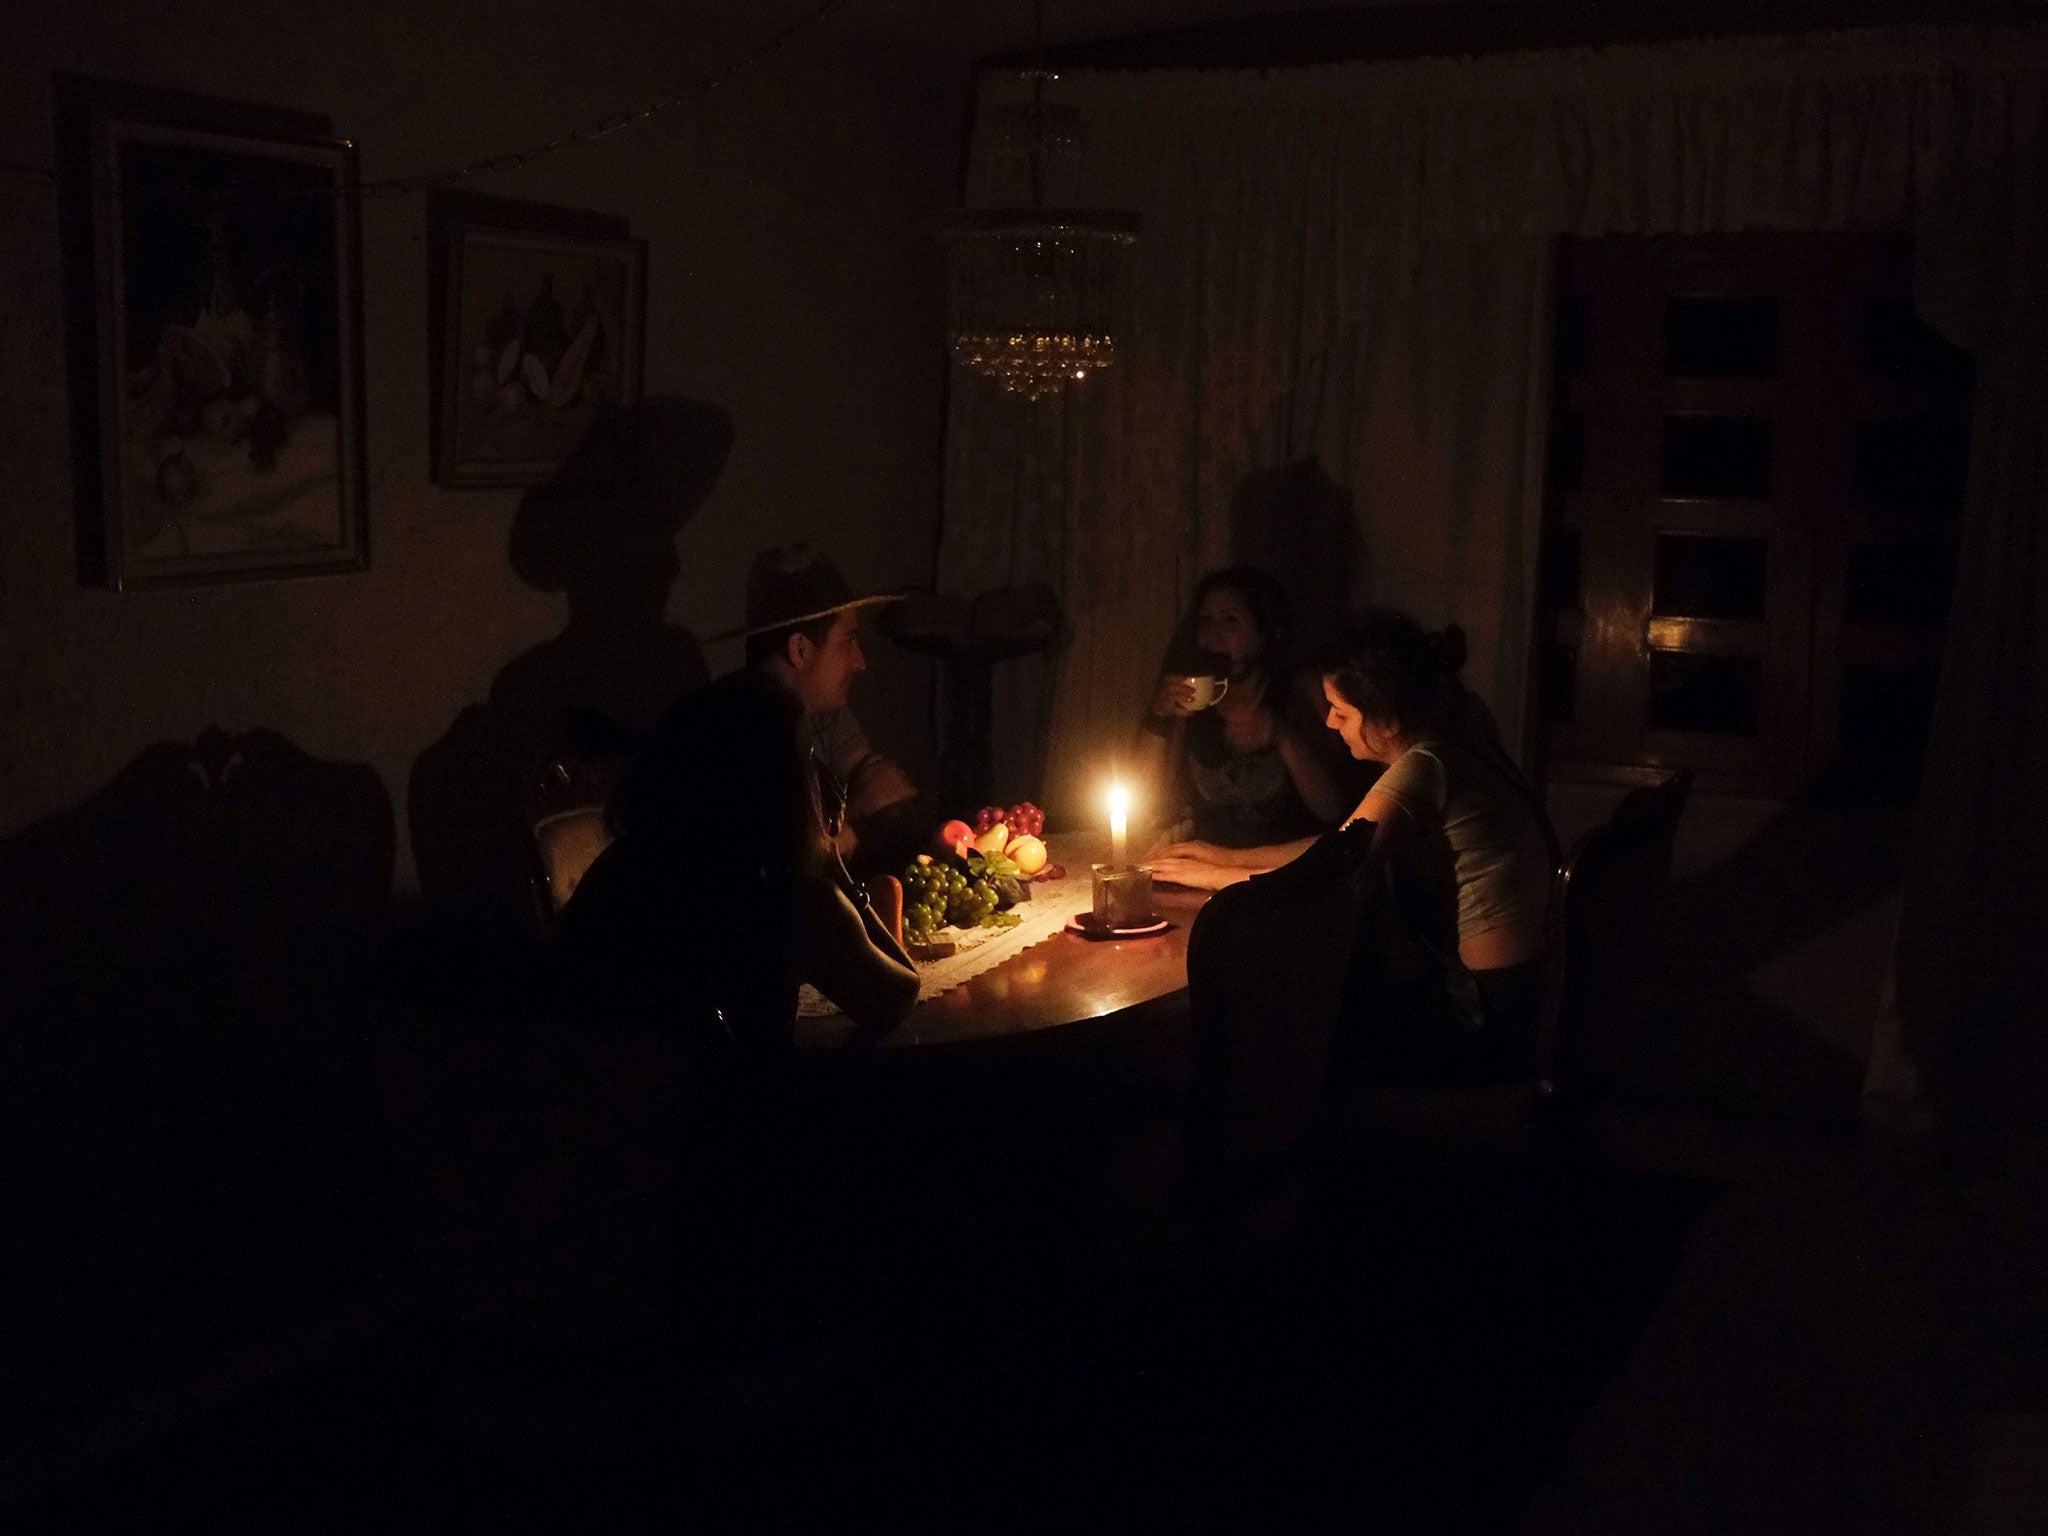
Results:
x,y
541,321
214,316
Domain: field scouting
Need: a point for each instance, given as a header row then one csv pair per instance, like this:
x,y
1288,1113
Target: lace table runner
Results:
x,y
1052,903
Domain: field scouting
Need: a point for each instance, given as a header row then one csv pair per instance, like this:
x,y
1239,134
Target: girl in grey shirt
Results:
x,y
1453,819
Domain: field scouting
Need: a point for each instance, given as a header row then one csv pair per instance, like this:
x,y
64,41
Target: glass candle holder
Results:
x,y
1123,897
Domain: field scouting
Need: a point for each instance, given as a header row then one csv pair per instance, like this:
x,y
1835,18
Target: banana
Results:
x,y
536,375
569,372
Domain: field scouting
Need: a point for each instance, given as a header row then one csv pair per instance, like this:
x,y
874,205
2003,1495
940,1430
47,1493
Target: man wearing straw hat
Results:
x,y
803,631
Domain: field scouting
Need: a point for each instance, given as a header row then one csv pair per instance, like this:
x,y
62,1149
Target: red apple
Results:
x,y
951,833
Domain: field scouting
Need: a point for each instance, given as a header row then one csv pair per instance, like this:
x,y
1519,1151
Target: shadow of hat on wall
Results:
x,y
594,689
582,529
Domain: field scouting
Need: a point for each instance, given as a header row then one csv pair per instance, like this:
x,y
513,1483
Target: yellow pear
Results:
x,y
994,840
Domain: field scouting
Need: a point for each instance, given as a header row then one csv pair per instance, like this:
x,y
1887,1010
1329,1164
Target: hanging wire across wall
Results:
x,y
584,133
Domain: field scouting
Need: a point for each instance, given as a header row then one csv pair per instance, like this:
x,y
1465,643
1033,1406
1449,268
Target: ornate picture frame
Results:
x,y
213,305
540,319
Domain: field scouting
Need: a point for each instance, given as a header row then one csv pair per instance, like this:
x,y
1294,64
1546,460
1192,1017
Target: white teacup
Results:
x,y
1201,692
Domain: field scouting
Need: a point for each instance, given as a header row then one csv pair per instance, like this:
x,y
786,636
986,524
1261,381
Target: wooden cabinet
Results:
x,y
1756,466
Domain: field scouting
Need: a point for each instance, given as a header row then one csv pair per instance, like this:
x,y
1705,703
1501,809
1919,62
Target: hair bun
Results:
x,y
1450,649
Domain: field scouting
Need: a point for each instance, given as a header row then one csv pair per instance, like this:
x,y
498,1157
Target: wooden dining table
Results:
x,y
1065,983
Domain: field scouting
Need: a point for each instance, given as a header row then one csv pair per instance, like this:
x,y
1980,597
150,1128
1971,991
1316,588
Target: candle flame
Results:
x,y
1119,800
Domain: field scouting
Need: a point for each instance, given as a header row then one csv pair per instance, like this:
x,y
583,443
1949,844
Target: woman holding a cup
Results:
x,y
1233,735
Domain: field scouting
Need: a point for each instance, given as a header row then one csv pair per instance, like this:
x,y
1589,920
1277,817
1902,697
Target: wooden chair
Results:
x,y
1598,995
1264,1032
190,1160
1603,911
562,801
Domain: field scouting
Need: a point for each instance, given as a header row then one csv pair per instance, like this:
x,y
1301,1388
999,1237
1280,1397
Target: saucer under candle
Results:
x,y
1085,925
1123,896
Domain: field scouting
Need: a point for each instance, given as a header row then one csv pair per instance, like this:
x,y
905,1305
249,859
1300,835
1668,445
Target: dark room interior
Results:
x,y
864,764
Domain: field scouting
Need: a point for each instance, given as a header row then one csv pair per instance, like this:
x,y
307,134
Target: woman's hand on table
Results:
x,y
1197,874
1205,853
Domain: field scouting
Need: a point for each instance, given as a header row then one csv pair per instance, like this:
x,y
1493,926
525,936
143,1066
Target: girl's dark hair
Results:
x,y
1392,670
1265,599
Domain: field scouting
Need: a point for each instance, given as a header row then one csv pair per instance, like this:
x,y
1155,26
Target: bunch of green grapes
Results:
x,y
927,888
969,902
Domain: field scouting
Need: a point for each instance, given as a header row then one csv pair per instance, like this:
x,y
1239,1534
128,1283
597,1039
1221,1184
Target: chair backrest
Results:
x,y
567,844
562,801
1269,962
1603,917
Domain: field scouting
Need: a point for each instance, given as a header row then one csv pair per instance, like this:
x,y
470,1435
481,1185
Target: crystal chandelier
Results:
x,y
1031,291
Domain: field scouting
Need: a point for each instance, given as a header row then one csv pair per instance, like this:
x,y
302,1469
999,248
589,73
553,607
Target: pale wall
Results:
x,y
793,282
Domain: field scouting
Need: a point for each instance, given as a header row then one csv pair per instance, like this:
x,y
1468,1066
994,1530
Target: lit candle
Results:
x,y
1119,817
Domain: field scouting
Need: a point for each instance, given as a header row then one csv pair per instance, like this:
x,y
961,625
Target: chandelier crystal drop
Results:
x,y
1032,291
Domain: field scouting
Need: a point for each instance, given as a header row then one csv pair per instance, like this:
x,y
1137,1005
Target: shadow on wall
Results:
x,y
1297,523
190,1145
590,692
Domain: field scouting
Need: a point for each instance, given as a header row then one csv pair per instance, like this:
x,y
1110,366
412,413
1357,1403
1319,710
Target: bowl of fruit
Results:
x,y
974,876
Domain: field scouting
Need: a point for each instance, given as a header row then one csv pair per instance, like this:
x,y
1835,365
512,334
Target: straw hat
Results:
x,y
794,585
